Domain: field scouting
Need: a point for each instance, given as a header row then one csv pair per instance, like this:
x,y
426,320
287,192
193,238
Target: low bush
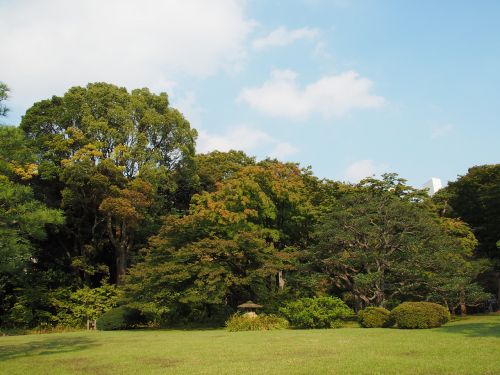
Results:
x,y
242,322
375,317
320,312
420,315
122,317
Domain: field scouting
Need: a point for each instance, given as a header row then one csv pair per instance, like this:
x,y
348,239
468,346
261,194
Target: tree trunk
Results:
x,y
119,240
463,309
121,263
281,280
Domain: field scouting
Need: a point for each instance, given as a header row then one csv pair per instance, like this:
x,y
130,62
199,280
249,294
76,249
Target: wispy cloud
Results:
x,y
283,37
441,131
245,138
360,169
331,95
282,150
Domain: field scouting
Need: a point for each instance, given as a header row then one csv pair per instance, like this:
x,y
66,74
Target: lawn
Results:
x,y
468,346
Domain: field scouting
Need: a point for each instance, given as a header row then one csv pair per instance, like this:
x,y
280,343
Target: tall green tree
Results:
x,y
379,244
237,242
94,142
23,219
475,198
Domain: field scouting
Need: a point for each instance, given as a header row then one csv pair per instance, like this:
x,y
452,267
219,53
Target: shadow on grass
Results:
x,y
473,329
45,347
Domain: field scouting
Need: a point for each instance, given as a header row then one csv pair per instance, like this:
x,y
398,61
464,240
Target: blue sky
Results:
x,y
352,88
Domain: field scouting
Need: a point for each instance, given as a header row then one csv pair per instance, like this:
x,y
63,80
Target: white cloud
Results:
x,y
244,138
321,51
333,95
361,169
441,131
282,150
50,45
283,37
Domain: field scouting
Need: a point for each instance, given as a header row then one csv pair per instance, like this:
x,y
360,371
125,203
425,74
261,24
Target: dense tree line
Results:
x,y
103,201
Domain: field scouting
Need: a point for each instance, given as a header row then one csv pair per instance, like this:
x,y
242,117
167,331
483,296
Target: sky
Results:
x,y
352,88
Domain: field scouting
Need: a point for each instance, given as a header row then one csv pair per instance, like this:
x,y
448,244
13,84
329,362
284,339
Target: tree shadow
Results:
x,y
44,347
473,329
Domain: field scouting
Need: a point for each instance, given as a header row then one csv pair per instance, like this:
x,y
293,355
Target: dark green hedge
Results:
x,y
420,315
122,317
320,312
375,317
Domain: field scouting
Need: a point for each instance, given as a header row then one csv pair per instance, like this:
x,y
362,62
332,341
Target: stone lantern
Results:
x,y
249,308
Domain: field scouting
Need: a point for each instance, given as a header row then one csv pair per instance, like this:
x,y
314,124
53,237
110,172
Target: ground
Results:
x,y
468,346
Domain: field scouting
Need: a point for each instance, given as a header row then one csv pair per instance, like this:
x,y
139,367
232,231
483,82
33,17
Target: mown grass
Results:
x,y
467,346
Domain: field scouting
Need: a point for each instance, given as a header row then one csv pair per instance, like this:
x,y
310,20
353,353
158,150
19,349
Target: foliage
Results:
x,y
74,308
378,243
232,246
24,226
22,221
92,177
115,162
319,312
374,317
62,307
216,167
420,315
122,317
451,280
17,159
475,199
242,322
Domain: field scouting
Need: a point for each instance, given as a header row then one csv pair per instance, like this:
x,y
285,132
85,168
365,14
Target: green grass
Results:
x,y
468,346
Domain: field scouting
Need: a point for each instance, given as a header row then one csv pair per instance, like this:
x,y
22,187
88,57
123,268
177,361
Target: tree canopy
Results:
x,y
379,245
104,202
119,160
475,199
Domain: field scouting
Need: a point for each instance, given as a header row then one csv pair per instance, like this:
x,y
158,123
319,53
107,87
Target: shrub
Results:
x,y
320,312
420,315
375,317
122,317
239,322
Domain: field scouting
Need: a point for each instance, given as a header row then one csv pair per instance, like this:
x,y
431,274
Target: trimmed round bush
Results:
x,y
420,315
374,317
320,312
122,317
239,322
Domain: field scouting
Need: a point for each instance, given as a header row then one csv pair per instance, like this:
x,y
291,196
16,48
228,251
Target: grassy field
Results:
x,y
468,346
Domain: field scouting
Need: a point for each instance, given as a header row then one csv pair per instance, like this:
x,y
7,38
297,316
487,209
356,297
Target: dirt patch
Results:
x,y
84,365
162,362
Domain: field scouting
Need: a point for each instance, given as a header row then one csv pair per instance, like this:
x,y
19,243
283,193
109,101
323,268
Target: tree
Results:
x,y
23,219
4,95
451,275
94,143
125,210
233,245
379,246
217,166
475,198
